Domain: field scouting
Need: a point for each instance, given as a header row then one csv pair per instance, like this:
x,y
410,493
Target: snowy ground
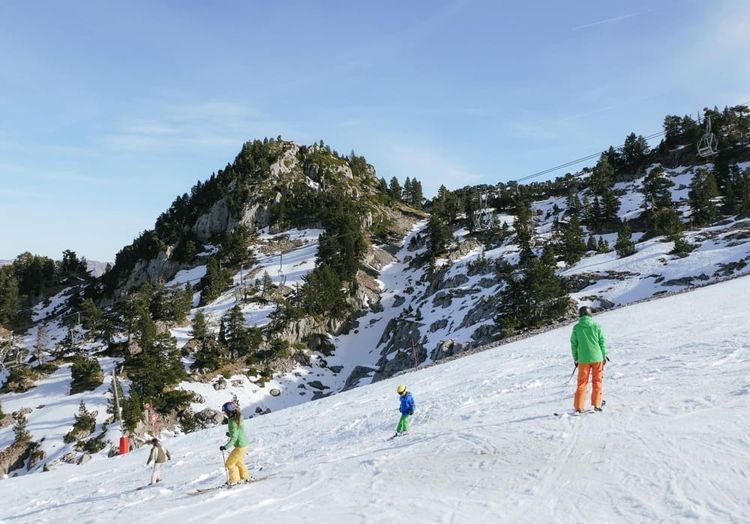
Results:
x,y
672,446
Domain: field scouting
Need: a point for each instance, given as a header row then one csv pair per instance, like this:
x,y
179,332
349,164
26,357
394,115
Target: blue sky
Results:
x,y
108,110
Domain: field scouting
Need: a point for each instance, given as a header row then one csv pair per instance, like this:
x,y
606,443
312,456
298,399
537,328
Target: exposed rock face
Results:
x,y
357,374
448,348
438,325
216,221
439,282
220,384
6,421
14,456
208,417
152,270
484,309
402,339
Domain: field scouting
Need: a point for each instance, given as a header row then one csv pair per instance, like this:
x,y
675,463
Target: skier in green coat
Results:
x,y
590,356
238,440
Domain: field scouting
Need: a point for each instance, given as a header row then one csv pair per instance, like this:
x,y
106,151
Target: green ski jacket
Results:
x,y
237,437
587,341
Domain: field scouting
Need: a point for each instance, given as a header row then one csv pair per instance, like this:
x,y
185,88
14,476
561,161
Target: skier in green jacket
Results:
x,y
590,356
238,440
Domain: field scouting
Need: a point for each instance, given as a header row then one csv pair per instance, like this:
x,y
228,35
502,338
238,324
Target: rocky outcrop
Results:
x,y
401,340
14,456
484,309
438,325
159,268
357,374
216,221
439,282
208,417
448,348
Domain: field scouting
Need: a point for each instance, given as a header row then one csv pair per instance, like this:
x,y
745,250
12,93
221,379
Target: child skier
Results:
x,y
235,463
407,410
159,455
590,356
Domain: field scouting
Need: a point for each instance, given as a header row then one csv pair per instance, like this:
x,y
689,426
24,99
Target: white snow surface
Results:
x,y
671,446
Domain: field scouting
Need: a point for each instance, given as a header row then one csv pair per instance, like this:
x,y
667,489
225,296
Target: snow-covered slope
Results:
x,y
671,446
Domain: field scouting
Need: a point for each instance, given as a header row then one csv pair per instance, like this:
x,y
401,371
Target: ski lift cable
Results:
x,y
594,155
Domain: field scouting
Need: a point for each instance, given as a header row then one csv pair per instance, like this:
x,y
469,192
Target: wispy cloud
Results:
x,y
612,20
180,126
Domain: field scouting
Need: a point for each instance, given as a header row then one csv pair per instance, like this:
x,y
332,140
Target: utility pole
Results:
x,y
118,416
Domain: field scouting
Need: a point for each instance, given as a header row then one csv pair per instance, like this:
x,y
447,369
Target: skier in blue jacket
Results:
x,y
406,409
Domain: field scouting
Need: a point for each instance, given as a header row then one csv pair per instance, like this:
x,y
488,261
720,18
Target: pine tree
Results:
x,y
395,189
656,194
624,245
524,226
157,367
91,316
323,293
700,197
214,283
548,255
132,411
682,247
199,328
573,246
610,208
235,247
470,210
634,153
417,194
440,236
407,193
573,203
8,299
342,245
602,246
594,216
236,333
22,435
664,222
86,374
534,299
602,177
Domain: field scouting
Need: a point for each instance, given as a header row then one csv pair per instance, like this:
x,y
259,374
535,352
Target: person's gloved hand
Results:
x,y
222,448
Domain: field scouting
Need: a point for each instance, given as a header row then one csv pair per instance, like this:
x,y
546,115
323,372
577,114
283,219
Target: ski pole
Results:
x,y
224,461
574,372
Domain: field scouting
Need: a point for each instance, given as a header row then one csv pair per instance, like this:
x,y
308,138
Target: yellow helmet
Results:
x,y
401,389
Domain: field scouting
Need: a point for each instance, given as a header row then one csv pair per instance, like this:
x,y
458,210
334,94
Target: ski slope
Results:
x,y
672,445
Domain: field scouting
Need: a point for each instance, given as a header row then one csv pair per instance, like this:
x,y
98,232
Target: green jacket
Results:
x,y
237,437
587,341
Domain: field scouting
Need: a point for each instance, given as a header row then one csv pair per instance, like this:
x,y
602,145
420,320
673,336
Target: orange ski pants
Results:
x,y
596,370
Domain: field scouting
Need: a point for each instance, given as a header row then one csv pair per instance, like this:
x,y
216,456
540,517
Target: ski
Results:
x,y
396,435
575,413
200,491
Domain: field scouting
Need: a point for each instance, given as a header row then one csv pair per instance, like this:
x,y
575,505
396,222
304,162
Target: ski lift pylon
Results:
x,y
708,145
